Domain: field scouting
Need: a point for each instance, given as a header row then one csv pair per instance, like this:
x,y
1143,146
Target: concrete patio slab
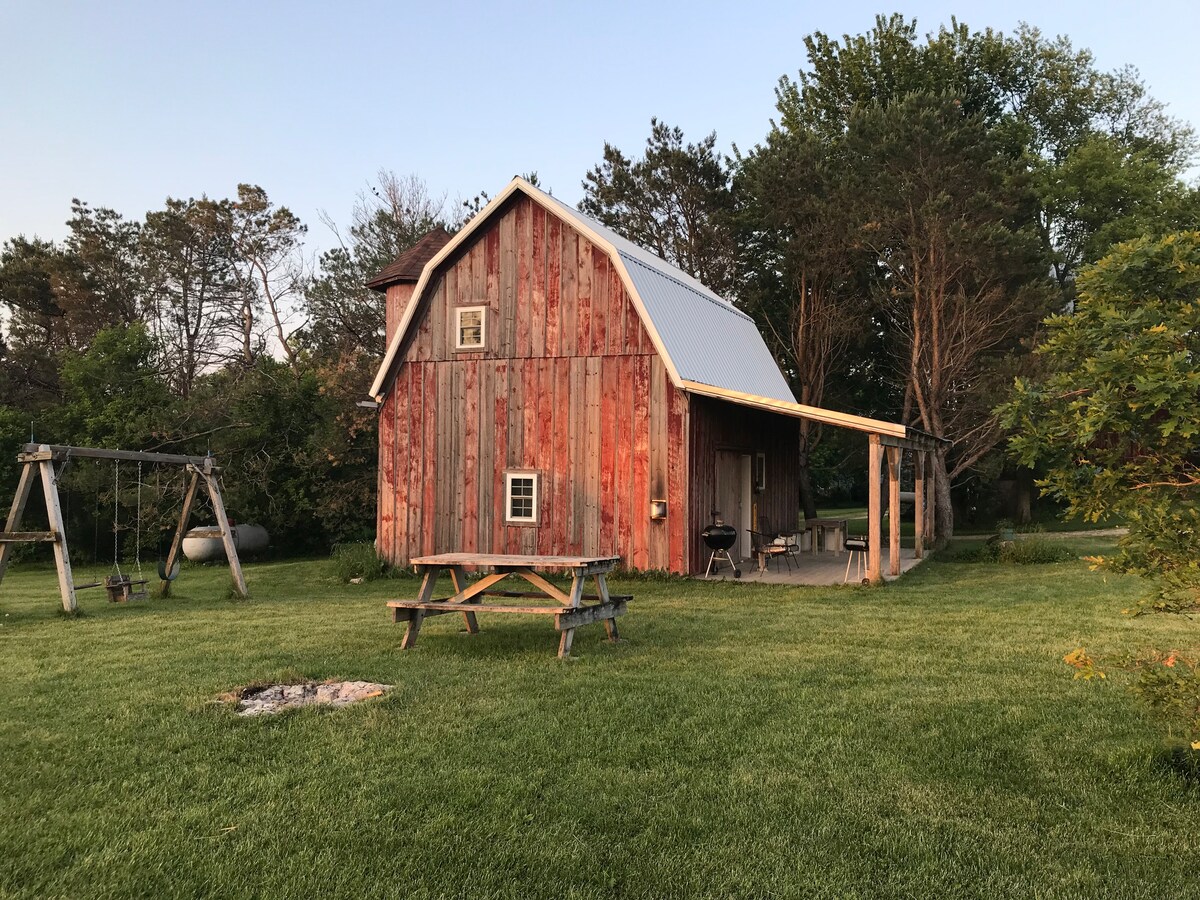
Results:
x,y
821,569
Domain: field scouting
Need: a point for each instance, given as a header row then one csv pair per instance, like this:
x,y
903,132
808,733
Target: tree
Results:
x,y
104,286
1043,102
1116,422
676,200
961,275
35,326
268,241
343,314
113,394
1098,157
196,299
1117,417
801,267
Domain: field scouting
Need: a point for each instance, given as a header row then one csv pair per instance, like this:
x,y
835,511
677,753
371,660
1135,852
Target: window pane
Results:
x,y
521,491
470,328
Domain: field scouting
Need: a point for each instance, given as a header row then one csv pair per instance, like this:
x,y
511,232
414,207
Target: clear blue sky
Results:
x,y
123,104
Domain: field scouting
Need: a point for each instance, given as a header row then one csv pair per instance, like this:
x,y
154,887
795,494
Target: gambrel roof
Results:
x,y
701,338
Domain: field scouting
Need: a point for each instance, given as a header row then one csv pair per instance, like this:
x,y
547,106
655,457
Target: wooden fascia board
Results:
x,y
800,411
517,184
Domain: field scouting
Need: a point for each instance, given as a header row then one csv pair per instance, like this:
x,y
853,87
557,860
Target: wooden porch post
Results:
x,y
874,509
894,455
919,504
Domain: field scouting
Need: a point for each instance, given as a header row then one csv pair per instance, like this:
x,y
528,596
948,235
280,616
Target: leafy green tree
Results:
x,y
802,270
676,200
961,280
28,269
1116,423
1043,101
113,394
1117,416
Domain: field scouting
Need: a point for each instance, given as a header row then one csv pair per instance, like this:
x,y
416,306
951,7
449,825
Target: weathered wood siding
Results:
x,y
569,384
716,425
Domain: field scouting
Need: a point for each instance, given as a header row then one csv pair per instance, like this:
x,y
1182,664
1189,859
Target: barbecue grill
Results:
x,y
718,539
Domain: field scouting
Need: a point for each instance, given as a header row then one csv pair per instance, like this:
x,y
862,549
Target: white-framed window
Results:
x,y
760,471
521,497
470,324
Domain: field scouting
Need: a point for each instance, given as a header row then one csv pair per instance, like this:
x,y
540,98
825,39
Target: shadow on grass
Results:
x,y
1180,761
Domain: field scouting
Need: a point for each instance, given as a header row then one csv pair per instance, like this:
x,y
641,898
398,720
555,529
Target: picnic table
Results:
x,y
568,607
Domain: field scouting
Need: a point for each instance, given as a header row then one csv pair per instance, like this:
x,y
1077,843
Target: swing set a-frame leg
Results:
x,y
218,505
16,513
58,532
62,559
185,518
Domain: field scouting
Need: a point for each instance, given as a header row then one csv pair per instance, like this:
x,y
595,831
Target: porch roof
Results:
x,y
890,433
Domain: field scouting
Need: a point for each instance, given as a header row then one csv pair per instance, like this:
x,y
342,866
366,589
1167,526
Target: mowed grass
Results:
x,y
919,740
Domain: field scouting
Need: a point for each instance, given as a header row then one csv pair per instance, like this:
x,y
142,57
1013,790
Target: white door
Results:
x,y
733,496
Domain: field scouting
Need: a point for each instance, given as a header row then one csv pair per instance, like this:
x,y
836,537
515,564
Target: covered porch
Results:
x,y
821,569
887,442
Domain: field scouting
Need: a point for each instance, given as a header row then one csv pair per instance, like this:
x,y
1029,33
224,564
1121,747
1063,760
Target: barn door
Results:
x,y
733,495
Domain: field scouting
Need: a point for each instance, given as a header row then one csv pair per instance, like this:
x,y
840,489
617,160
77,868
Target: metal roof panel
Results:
x,y
708,339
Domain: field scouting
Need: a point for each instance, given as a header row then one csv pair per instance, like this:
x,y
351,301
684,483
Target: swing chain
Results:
x,y
116,517
138,524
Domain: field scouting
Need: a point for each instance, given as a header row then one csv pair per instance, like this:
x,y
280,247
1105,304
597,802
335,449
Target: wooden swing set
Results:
x,y
50,460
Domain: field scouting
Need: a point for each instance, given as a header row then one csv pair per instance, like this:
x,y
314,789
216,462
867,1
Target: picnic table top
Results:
x,y
508,559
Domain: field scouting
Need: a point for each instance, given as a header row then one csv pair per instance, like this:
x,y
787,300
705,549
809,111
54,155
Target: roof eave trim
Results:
x,y
381,377
800,410
518,184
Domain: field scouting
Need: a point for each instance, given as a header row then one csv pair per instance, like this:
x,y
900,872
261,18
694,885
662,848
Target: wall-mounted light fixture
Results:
x,y
658,509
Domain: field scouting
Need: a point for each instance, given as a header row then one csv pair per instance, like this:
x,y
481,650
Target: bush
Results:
x,y
1031,550
359,561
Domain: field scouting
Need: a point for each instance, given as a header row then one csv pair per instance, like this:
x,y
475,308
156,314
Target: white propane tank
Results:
x,y
204,544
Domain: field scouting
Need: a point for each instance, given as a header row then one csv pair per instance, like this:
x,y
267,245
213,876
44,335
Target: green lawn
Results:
x,y
919,740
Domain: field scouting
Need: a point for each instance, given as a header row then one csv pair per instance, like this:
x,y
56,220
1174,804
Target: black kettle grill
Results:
x,y
718,539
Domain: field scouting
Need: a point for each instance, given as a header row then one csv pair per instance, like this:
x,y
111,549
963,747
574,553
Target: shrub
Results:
x,y
1031,550
359,561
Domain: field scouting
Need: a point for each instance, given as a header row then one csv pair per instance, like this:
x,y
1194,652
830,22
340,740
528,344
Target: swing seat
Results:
x,y
120,589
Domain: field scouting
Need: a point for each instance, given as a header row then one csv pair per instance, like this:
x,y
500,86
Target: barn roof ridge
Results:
x,y
714,343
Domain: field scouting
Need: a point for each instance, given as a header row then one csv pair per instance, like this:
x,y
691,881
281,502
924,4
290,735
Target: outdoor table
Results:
x,y
568,609
824,526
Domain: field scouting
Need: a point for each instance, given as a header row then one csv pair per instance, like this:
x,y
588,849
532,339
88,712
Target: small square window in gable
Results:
x,y
470,327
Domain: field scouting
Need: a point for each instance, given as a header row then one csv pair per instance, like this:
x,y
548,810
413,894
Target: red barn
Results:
x,y
552,388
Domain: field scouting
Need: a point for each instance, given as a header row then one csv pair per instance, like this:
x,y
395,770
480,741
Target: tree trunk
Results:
x,y
1024,485
808,501
943,512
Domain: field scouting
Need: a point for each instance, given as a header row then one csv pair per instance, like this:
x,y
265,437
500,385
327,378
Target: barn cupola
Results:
x,y
399,279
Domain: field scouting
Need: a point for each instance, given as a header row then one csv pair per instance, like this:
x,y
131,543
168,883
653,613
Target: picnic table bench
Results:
x,y
568,607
